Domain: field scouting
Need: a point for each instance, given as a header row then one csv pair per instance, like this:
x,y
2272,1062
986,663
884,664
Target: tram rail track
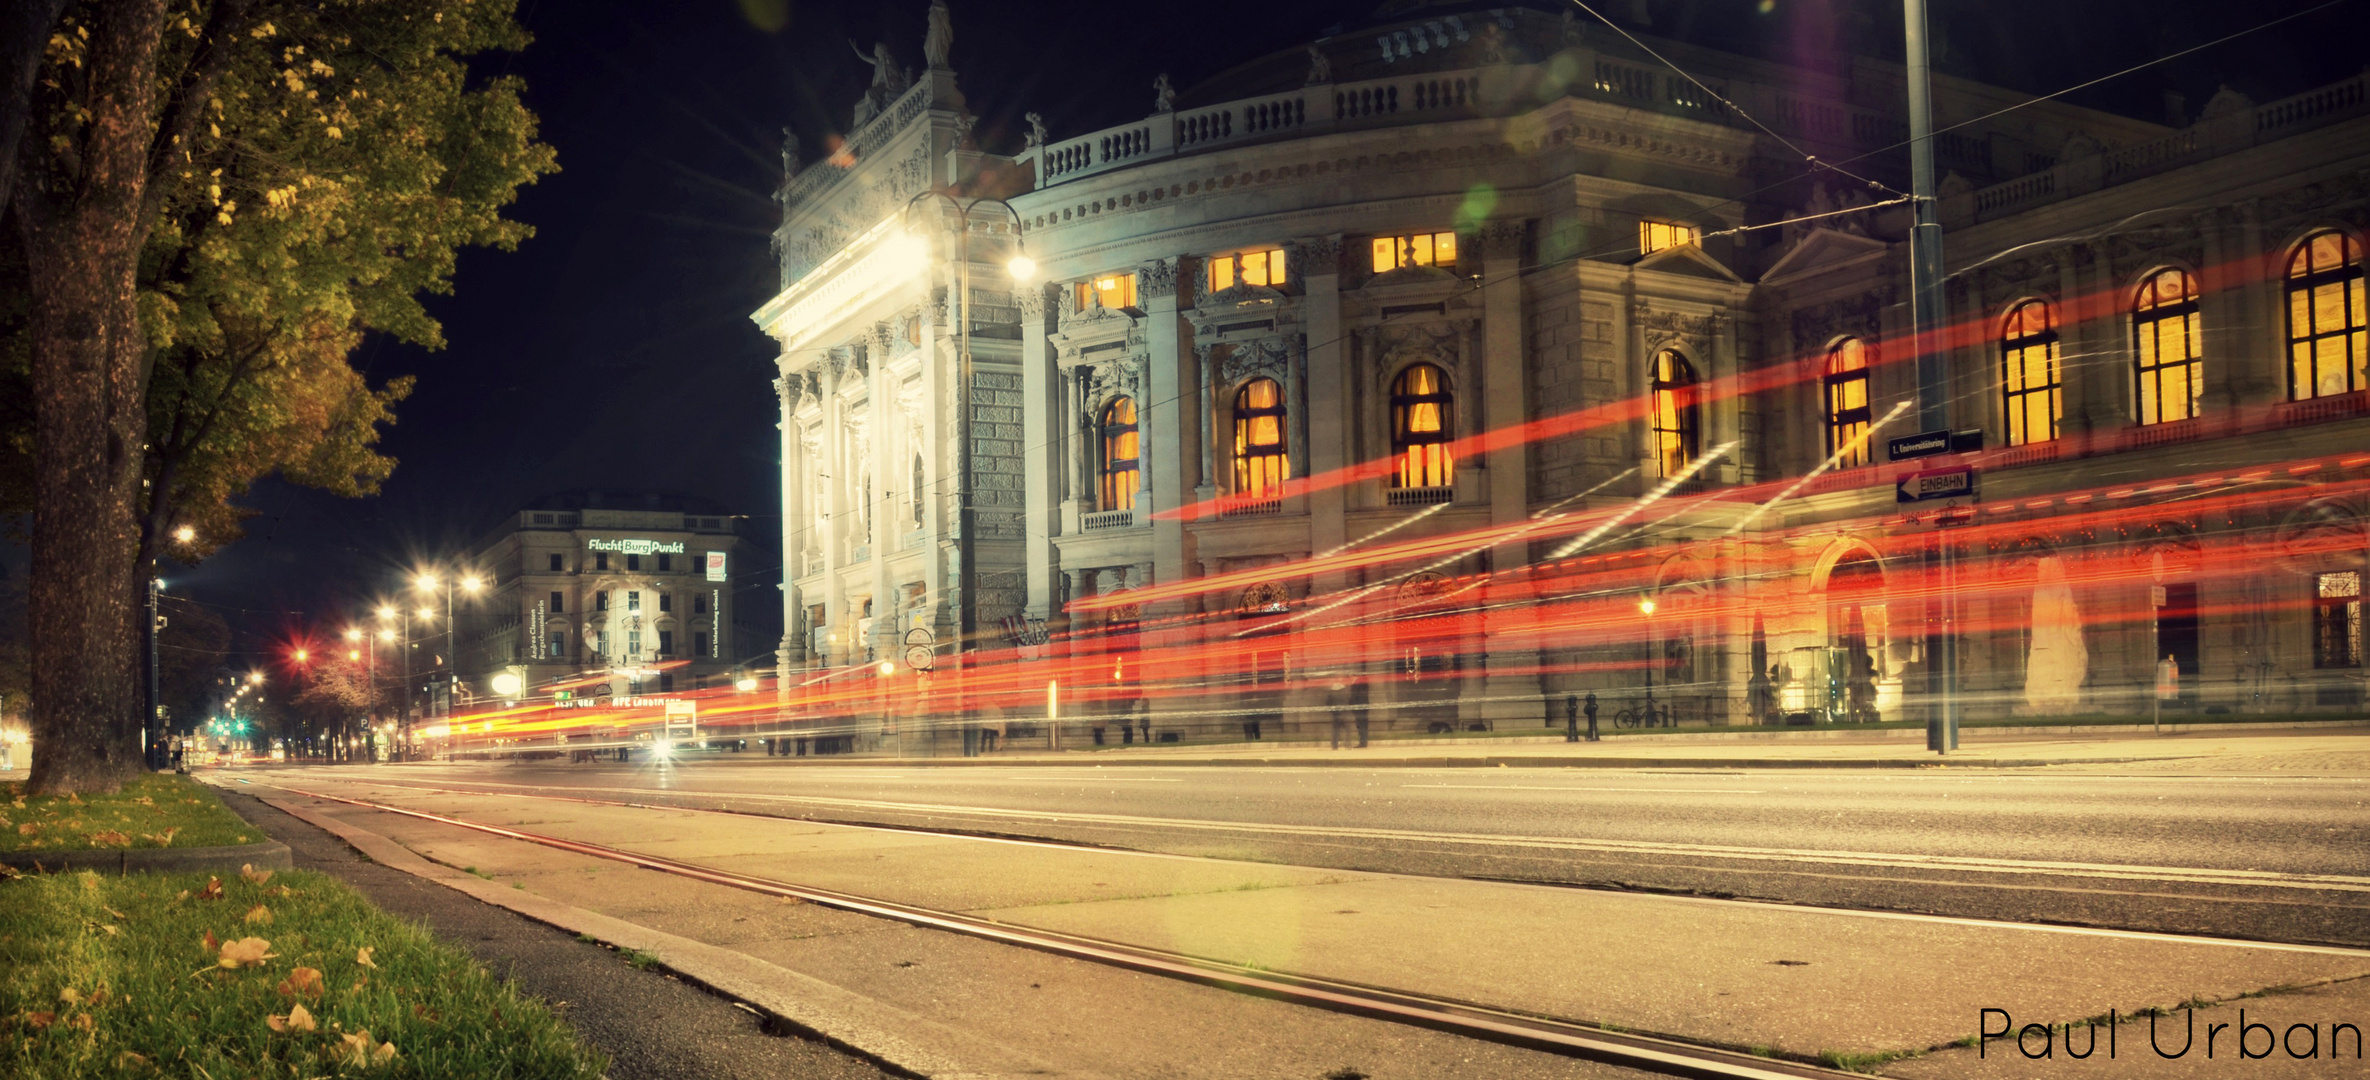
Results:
x,y
1647,1053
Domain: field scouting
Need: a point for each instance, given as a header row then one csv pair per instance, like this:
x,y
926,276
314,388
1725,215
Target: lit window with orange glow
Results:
x,y
1654,236
1247,268
1421,426
1419,249
1847,402
2164,330
1678,426
2326,326
1121,448
1260,466
1110,290
2337,620
2028,356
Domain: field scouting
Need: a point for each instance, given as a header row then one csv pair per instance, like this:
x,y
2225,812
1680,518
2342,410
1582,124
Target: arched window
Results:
x,y
2028,357
918,485
1121,445
1260,467
1678,430
1421,424
1847,401
2164,332
2326,350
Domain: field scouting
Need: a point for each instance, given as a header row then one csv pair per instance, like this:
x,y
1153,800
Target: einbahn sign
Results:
x,y
1935,484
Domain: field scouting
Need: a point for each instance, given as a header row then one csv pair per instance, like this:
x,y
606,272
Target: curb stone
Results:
x,y
834,1015
268,855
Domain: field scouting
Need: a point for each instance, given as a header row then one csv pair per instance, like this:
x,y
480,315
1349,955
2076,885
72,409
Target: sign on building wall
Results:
x,y
716,612
636,547
535,640
715,566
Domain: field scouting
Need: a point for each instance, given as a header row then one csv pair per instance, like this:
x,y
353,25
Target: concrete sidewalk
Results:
x,y
1800,980
2330,748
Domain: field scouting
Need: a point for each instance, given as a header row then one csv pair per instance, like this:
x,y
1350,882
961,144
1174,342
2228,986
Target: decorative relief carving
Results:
x,y
1860,316
1157,278
1663,327
1033,302
1269,357
1501,238
1315,254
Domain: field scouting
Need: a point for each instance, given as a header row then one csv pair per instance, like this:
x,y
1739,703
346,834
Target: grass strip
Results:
x,y
152,811
119,976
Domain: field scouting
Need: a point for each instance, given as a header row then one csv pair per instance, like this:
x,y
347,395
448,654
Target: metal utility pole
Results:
x,y
152,725
1933,360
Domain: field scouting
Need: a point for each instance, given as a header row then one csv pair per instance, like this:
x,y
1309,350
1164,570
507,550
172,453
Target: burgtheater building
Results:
x,y
1473,359
606,594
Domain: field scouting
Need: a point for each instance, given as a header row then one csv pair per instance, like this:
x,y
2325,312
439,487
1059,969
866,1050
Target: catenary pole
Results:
x,y
1933,369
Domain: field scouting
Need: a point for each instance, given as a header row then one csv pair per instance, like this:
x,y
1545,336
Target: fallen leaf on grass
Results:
x,y
165,838
362,957
110,838
210,943
130,1058
253,950
40,1019
74,798
296,1020
117,914
280,891
80,1022
426,1013
252,874
28,829
111,929
212,891
259,914
303,980
70,995
358,985
145,801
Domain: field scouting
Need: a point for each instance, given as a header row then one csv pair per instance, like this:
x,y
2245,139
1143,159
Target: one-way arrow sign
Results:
x,y
1938,484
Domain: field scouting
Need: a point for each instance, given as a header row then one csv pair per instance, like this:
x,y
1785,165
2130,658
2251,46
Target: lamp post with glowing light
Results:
x,y
1022,270
469,583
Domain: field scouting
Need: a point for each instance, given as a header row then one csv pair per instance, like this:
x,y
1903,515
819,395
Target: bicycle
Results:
x,y
1649,714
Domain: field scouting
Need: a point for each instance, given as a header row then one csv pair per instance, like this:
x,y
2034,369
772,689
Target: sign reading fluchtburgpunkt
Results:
x,y
636,547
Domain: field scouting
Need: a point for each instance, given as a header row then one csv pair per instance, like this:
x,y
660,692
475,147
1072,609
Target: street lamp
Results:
x,y
1022,270
427,583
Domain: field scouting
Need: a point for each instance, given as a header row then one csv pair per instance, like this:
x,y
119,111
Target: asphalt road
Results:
x,y
2276,858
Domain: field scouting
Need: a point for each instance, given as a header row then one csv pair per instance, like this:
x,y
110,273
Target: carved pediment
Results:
x,y
1823,251
1688,260
1238,294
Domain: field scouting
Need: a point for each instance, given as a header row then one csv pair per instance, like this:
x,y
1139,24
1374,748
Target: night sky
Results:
x,y
614,349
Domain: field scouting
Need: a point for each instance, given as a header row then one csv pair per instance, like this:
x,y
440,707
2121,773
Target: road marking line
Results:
x,y
1662,790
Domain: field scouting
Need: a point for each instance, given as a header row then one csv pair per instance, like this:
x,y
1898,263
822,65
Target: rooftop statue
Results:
x,y
941,37
1164,96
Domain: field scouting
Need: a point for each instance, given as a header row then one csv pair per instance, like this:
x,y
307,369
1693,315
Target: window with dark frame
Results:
x,y
558,601
1422,425
666,601
1260,463
699,604
1418,249
666,564
2337,619
1249,268
1678,421
2034,398
2166,344
1122,447
601,560
699,643
601,601
666,643
633,563
1847,402
559,644
2327,353
559,563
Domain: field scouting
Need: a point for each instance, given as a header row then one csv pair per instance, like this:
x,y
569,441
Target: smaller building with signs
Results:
x,y
603,594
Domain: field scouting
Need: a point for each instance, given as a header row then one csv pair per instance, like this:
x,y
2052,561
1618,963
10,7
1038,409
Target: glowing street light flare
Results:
x,y
426,582
471,583
1022,268
185,534
386,611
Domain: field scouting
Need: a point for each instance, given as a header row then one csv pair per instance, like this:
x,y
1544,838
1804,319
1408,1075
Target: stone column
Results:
x,y
1165,476
832,476
790,650
1042,428
879,424
1509,624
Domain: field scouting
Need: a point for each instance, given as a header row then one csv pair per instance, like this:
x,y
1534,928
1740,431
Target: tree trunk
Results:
x,y
82,228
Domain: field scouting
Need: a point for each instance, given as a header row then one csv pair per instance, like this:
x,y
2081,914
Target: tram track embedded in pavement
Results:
x,y
1663,1056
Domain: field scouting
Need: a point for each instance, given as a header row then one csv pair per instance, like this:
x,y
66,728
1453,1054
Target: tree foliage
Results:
x,y
218,201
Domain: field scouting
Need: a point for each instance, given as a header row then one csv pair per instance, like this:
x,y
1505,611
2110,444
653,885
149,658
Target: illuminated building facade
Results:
x,y
603,593
1390,375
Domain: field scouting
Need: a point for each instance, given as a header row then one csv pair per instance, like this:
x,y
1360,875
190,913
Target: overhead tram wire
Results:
x,y
1738,109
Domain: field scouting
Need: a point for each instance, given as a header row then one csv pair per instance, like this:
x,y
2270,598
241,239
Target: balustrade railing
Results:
x,y
1420,496
1250,506
1107,519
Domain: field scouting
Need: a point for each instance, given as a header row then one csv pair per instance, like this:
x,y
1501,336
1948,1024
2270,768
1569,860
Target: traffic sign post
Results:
x,y
1956,483
1957,486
